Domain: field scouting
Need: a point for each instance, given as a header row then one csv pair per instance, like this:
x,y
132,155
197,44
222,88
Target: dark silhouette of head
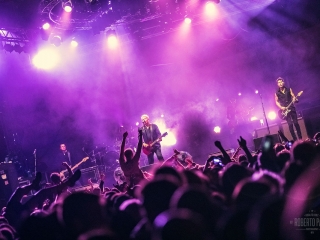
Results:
x,y
179,224
156,195
128,153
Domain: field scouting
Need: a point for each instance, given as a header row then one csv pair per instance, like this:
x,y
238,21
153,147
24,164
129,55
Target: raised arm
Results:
x,y
121,159
139,147
226,157
243,144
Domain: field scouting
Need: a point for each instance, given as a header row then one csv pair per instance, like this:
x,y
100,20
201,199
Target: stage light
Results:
x,y
56,40
253,118
272,115
46,59
137,123
217,129
210,9
162,115
239,94
256,92
187,20
74,43
46,26
169,140
112,42
67,6
217,99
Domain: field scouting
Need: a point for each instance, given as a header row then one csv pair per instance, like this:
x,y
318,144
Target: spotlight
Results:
x,y
137,123
239,94
272,115
256,92
46,26
46,59
162,115
67,6
253,118
56,40
217,129
112,39
74,43
187,20
217,100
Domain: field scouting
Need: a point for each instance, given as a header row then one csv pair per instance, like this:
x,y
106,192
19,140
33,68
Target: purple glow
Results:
x,y
239,94
162,115
46,26
256,92
74,43
272,115
113,42
67,8
217,99
137,123
217,129
253,118
187,20
46,59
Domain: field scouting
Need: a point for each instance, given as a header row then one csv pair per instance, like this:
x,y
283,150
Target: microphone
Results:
x,y
35,151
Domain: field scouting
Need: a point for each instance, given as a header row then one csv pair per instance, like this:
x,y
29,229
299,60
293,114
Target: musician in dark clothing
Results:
x,y
63,156
283,97
150,133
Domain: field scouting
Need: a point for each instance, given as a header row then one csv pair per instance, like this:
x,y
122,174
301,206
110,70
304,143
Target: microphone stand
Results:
x,y
35,161
264,114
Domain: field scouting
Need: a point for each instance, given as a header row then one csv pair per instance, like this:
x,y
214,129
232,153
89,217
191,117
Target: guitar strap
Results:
x,y
151,135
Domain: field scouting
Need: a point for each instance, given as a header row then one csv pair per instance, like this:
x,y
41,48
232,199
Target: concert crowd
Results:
x,y
269,194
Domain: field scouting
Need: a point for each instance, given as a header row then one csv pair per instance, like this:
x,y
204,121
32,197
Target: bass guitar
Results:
x,y
148,149
284,113
63,172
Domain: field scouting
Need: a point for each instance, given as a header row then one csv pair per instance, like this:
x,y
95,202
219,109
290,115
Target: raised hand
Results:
x,y
242,142
125,134
218,144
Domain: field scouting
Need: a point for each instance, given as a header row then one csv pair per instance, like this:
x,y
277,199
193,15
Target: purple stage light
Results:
x,y
137,123
46,59
46,26
210,9
256,92
239,94
162,115
217,129
74,43
272,115
112,41
187,20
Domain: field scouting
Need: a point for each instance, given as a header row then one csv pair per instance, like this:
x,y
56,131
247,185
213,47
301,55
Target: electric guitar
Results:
x,y
284,113
147,150
63,172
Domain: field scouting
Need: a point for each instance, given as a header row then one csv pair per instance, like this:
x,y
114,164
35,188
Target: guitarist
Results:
x,y
150,132
283,98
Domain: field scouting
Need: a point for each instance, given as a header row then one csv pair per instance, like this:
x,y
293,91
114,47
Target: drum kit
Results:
x,y
108,154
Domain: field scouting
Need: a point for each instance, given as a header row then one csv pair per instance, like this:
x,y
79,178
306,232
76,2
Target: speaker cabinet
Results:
x,y
286,131
282,126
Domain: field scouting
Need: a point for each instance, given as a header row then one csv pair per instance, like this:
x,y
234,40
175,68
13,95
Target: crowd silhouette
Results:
x,y
269,194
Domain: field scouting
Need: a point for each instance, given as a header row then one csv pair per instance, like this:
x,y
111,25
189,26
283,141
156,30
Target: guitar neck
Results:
x,y
154,142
